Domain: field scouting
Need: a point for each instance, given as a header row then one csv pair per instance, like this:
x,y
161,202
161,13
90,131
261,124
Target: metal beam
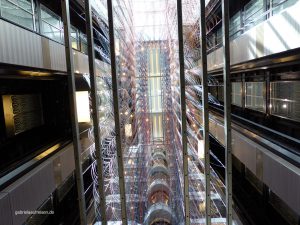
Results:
x,y
205,113
116,112
95,106
183,115
227,109
73,110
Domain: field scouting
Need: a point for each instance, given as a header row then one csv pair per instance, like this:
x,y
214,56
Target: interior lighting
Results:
x,y
83,106
200,149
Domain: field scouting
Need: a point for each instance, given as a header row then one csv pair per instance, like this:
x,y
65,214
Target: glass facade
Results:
x,y
83,43
279,5
235,25
236,93
18,11
253,12
75,38
51,25
285,99
255,96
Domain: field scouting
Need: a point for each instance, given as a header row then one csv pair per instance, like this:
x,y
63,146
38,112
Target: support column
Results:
x,y
116,112
205,113
268,93
73,110
95,106
243,91
227,110
183,115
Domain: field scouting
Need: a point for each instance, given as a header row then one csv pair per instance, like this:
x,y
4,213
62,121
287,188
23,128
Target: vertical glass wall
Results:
x,y
237,93
18,11
51,25
285,99
75,38
253,12
255,96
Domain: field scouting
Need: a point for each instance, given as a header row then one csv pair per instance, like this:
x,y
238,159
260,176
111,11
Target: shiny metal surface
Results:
x,y
227,111
205,114
95,107
115,89
183,115
73,110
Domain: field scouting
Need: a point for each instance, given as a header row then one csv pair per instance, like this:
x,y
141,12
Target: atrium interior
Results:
x,y
150,112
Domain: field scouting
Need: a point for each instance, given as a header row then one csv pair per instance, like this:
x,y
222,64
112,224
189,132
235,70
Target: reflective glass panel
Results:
x,y
285,99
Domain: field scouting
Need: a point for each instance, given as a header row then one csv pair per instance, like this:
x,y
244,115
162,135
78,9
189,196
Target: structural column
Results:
x,y
205,113
95,106
116,112
227,110
183,115
73,111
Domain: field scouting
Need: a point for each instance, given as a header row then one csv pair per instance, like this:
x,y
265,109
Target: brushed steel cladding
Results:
x,y
25,48
278,34
67,162
244,150
283,179
5,212
81,62
19,46
30,191
63,164
280,176
57,56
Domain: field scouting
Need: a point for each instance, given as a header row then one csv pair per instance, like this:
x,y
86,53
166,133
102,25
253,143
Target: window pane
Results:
x,y
50,18
25,4
285,99
235,25
255,95
50,25
252,13
74,38
16,14
236,93
83,43
279,5
51,32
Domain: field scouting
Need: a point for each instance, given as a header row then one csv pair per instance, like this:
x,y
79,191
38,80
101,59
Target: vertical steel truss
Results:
x,y
205,113
183,115
227,108
74,120
95,106
116,112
